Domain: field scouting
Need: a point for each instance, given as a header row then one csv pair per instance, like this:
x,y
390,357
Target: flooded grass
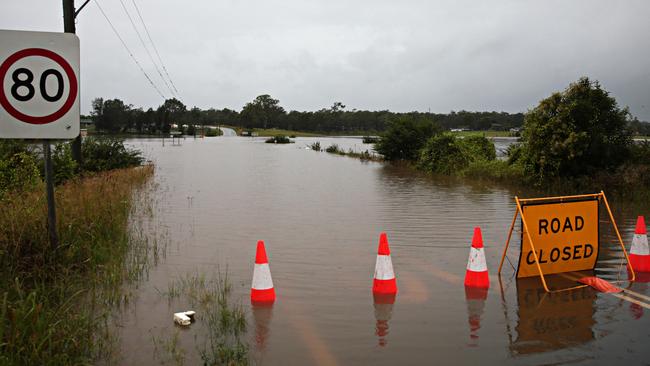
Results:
x,y
55,302
364,155
221,322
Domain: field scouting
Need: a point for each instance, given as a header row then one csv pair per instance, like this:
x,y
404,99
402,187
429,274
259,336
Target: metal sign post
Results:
x,y
49,189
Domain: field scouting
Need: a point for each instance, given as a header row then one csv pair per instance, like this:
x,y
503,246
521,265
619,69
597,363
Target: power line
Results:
x,y
145,47
154,45
128,50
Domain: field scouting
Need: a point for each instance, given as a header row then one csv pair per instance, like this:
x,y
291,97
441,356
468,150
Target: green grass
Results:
x,y
484,133
220,328
275,132
55,302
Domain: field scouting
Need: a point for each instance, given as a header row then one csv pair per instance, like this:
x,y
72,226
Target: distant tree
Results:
x,y
262,112
171,111
577,131
405,136
111,115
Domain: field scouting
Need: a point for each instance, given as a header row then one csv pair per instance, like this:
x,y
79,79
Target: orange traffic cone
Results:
x,y
384,281
262,290
639,253
477,274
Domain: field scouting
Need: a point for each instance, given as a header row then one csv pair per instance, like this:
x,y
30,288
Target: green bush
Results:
x,y
578,131
494,169
443,154
18,171
279,139
478,147
212,132
448,154
640,152
333,149
315,146
100,154
63,165
405,136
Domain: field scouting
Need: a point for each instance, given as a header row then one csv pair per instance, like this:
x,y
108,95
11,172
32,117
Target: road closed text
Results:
x,y
564,235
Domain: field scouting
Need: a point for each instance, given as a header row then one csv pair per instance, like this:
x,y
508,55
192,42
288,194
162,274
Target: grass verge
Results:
x,y
55,302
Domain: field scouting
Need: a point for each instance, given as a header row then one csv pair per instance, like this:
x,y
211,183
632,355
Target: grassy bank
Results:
x,y
484,133
275,132
54,302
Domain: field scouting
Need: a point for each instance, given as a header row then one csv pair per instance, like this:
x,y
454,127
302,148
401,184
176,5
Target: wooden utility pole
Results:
x,y
69,27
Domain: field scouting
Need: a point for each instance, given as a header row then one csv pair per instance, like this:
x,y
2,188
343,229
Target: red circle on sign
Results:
x,y
35,120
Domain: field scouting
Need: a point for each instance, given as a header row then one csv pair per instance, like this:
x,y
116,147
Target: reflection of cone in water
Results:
x,y
639,253
262,290
384,281
477,274
475,298
262,314
383,312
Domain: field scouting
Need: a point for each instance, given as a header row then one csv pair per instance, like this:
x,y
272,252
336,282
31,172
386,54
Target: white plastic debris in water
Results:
x,y
184,317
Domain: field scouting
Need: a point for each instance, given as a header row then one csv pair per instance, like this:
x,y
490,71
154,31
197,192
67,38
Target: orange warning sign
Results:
x,y
560,234
564,235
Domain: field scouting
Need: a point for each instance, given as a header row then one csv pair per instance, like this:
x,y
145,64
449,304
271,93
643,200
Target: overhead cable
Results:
x,y
145,47
128,50
154,46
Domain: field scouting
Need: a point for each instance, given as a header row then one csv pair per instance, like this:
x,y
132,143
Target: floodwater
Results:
x,y
320,216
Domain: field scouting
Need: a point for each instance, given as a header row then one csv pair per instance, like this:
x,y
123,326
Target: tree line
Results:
x,y
116,116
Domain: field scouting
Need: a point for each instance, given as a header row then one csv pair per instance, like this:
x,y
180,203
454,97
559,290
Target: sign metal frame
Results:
x,y
519,211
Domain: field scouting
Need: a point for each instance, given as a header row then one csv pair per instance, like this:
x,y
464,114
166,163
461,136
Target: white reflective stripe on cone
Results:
x,y
476,260
640,245
262,277
384,268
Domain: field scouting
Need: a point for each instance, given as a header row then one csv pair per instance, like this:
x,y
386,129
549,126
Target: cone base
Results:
x,y
477,279
640,263
266,296
385,287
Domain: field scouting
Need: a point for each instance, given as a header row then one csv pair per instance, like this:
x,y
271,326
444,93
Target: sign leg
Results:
x,y
49,188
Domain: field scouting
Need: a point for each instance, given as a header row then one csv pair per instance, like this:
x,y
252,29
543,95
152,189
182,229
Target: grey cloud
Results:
x,y
381,54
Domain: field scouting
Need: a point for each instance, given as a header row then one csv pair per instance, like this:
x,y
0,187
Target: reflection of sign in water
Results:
x,y
550,321
564,234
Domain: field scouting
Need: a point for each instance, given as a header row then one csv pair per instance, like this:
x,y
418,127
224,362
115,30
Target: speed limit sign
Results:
x,y
39,75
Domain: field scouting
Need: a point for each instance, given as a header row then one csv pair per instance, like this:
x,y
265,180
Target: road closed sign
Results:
x,y
39,75
564,237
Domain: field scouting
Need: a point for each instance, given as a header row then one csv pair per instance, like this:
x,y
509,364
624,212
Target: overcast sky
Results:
x,y
369,54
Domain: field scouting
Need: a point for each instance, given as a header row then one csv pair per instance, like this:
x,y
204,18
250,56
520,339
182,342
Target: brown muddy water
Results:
x,y
320,216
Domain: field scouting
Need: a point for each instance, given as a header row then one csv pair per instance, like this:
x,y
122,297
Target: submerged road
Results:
x,y
228,132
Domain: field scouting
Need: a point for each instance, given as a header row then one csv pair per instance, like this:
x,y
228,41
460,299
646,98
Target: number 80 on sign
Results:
x,y
39,97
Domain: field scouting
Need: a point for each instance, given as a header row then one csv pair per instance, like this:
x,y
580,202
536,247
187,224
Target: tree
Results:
x,y
262,111
171,111
111,115
405,136
577,131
